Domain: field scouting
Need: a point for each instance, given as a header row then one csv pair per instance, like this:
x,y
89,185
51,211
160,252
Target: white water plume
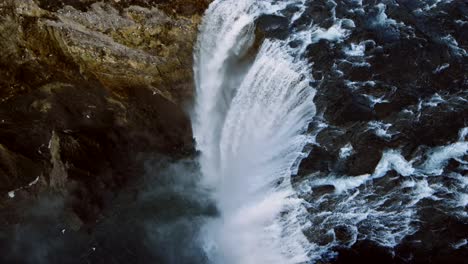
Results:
x,y
250,129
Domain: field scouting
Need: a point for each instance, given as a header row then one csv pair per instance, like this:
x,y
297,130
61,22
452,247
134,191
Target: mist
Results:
x,y
155,219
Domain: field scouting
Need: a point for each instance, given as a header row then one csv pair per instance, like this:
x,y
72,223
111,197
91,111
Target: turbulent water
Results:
x,y
255,120
328,131
250,128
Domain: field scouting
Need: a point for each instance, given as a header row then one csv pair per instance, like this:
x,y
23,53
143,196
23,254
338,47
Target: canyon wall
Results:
x,y
88,88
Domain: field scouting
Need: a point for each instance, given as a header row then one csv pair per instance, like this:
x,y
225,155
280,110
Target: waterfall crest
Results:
x,y
251,130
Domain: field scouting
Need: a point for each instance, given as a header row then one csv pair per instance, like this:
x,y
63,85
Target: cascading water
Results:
x,y
250,126
252,122
378,173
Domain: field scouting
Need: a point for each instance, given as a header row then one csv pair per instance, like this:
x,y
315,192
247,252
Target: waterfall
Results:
x,y
250,121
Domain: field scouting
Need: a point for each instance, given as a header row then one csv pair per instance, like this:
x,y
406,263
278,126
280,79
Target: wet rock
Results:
x,y
366,252
273,26
409,77
322,190
319,159
322,54
344,234
400,74
318,12
342,106
368,150
434,241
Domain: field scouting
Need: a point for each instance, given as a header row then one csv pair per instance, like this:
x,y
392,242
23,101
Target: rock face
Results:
x,y
86,87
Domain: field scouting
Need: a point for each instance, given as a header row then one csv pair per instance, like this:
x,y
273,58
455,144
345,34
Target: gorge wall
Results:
x,y
86,88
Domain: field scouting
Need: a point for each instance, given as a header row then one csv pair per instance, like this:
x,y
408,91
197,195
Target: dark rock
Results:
x,y
322,54
416,75
342,106
273,26
367,147
319,159
321,190
80,104
317,12
366,252
344,234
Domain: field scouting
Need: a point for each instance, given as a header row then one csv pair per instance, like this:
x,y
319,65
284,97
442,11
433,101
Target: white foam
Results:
x,y
384,210
451,42
435,4
355,49
434,101
462,199
460,244
439,157
393,160
361,64
352,206
356,85
346,151
335,33
341,184
422,190
348,23
375,100
462,134
380,129
440,68
382,19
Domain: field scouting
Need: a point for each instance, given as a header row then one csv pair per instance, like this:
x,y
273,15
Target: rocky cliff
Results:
x,y
86,89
